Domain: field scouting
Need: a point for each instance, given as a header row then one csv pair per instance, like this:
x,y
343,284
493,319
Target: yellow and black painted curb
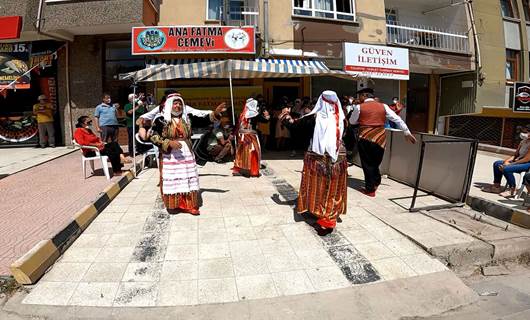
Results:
x,y
32,265
499,211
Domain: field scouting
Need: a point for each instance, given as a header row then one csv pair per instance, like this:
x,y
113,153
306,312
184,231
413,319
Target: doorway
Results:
x,y
418,102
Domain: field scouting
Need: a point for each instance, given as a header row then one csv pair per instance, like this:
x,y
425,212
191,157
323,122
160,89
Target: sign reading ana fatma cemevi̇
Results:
x,y
193,39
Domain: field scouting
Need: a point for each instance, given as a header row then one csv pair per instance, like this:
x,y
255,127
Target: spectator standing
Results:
x,y
139,109
44,112
106,119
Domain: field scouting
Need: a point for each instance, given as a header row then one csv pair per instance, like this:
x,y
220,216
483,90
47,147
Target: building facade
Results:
x,y
503,31
438,35
92,39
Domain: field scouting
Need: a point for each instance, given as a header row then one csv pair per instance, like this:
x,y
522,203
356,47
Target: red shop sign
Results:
x,y
193,39
10,27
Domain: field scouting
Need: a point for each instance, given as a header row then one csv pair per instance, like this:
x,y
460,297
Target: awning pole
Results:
x,y
232,101
134,131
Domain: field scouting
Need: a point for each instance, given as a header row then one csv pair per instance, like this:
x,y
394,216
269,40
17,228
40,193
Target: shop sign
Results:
x,y
14,63
377,62
193,40
521,97
10,27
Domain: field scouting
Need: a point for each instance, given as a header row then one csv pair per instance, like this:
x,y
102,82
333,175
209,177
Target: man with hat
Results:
x,y
44,112
371,116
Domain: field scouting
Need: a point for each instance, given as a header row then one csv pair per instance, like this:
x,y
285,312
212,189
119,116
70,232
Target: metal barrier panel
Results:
x,y
404,157
445,167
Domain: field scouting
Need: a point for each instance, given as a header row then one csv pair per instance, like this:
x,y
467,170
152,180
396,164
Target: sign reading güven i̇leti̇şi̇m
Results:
x,y
376,61
193,39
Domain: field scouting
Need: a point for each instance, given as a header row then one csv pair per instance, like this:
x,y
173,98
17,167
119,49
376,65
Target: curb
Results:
x,y
496,149
34,263
499,211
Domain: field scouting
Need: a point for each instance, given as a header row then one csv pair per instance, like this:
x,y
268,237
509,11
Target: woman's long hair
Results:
x,y
80,121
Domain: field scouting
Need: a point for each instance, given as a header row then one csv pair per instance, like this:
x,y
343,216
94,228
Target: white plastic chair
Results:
x,y
152,151
519,186
98,156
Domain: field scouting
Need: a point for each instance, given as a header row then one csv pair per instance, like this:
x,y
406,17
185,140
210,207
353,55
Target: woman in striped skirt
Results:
x,y
324,178
179,179
248,153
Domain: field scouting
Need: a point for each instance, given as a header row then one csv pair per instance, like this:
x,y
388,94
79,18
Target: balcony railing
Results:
x,y
427,37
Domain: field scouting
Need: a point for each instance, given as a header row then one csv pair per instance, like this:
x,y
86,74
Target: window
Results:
x,y
214,10
330,9
391,16
118,59
509,9
526,8
512,65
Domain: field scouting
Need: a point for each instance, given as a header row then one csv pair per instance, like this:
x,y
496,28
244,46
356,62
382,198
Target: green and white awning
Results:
x,y
238,69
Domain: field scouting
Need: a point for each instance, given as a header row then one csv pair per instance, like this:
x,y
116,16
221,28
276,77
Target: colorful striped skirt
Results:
x,y
323,188
179,179
248,155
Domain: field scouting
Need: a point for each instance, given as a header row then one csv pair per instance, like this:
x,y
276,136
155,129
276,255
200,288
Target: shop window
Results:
x,y
512,65
118,59
526,9
509,9
331,9
214,9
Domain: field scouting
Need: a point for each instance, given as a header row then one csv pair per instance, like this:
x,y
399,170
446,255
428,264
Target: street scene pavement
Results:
x,y
250,246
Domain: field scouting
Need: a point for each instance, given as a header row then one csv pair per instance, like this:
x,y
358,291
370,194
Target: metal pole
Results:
x,y
266,27
418,177
134,131
232,100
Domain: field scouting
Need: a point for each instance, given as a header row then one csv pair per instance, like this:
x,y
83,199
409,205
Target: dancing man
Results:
x,y
324,178
371,116
248,152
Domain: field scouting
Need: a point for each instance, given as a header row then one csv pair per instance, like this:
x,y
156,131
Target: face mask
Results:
x,y
176,113
524,136
395,101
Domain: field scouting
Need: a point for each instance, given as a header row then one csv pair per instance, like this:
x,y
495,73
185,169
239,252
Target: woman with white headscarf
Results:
x,y
248,153
324,178
179,179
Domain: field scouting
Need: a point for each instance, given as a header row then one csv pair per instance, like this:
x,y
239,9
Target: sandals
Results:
x,y
492,189
507,194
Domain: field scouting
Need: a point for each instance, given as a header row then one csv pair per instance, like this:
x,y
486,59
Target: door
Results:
x,y
418,102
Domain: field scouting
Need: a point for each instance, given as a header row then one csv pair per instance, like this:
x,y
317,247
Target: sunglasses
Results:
x,y
89,122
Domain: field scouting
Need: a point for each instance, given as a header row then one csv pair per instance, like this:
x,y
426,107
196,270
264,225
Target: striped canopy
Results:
x,y
239,69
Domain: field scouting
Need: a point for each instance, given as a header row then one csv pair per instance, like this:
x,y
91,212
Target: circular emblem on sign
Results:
x,y
237,39
523,95
151,39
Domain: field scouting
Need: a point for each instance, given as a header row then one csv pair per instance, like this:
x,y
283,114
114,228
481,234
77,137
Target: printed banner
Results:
x,y
13,64
209,97
193,39
521,97
377,62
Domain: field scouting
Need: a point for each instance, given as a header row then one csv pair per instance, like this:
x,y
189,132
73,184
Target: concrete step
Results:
x,y
500,211
507,241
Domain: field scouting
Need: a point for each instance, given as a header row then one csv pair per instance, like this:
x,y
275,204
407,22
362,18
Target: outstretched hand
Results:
x,y
221,108
410,138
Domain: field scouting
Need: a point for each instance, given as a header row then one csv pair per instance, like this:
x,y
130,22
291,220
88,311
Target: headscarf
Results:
x,y
251,108
168,108
329,125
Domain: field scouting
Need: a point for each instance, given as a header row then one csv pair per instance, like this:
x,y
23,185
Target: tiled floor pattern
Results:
x,y
246,244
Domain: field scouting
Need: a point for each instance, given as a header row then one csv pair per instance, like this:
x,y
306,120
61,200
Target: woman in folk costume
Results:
x,y
179,179
324,178
248,153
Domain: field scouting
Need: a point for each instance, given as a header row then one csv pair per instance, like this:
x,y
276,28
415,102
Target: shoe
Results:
x,y
52,146
367,193
507,194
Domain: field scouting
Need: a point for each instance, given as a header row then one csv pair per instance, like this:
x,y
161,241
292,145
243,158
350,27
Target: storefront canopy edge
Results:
x,y
235,69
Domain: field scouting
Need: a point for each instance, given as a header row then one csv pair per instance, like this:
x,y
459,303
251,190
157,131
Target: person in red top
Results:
x,y
84,135
371,116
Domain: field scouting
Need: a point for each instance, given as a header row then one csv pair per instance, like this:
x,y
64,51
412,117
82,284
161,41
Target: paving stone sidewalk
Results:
x,y
246,244
38,202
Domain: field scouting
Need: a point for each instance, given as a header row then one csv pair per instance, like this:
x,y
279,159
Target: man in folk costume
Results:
x,y
248,153
324,178
171,132
371,116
